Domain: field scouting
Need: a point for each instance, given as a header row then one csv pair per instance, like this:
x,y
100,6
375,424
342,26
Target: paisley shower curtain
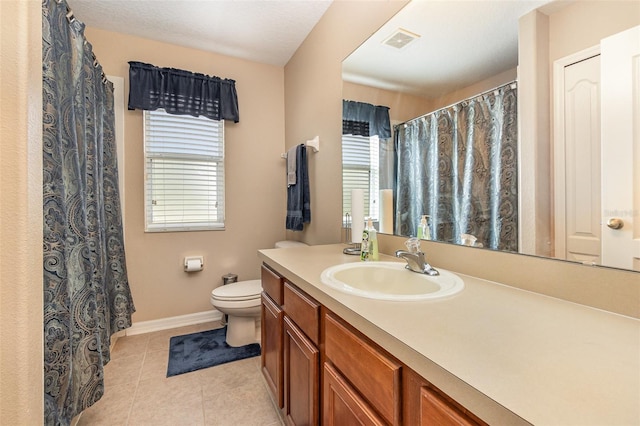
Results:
x,y
458,165
86,291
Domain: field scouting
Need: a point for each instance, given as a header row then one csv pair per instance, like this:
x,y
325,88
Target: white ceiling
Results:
x,y
461,42
265,31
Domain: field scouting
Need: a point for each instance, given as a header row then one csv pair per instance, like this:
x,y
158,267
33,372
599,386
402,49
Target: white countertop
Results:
x,y
508,355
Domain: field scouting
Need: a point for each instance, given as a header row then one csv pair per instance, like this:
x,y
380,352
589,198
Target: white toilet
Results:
x,y
240,301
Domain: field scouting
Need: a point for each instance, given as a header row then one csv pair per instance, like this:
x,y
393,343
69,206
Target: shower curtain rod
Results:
x,y
71,18
511,83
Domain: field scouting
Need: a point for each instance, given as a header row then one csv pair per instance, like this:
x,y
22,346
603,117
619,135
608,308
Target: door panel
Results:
x,y
621,155
582,160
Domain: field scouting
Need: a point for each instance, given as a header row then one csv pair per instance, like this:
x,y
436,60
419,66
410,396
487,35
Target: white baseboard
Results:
x,y
115,337
173,322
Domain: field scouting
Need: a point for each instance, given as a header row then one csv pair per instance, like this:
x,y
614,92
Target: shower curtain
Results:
x,y
86,292
459,166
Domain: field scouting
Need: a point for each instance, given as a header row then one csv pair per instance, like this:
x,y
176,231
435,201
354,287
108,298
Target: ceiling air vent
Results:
x,y
400,39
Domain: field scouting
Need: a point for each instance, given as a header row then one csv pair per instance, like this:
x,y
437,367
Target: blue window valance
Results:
x,y
362,119
182,92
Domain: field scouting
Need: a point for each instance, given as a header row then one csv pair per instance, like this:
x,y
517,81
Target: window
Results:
x,y
184,177
360,171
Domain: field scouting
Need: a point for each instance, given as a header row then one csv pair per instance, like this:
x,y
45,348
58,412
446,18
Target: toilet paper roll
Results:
x,y
386,211
357,215
193,265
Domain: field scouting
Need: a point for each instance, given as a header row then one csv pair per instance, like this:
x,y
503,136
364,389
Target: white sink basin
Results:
x,y
390,281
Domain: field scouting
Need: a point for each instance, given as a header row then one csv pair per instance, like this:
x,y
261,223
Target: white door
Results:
x,y
578,169
621,149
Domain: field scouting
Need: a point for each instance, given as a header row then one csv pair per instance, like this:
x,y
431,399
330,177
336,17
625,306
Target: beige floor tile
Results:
x,y
130,345
257,361
138,393
228,378
123,370
246,405
112,409
205,326
159,340
173,401
155,365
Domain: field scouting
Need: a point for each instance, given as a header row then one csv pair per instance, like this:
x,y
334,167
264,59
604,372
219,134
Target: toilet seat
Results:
x,y
239,291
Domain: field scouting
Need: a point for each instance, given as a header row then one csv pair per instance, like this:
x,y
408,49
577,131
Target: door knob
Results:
x,y
615,223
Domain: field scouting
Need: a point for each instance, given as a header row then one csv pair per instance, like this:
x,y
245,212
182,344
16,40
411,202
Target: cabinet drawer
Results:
x,y
272,284
435,410
372,373
303,310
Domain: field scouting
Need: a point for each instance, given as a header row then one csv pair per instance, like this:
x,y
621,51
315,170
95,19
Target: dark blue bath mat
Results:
x,y
192,352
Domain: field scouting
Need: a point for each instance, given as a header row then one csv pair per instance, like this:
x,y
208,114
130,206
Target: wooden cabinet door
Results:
x,y
376,376
342,405
301,377
424,405
271,357
436,411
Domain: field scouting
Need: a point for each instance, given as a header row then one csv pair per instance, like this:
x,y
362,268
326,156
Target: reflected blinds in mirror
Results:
x,y
360,171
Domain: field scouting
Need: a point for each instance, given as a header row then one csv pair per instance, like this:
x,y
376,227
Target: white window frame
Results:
x,y
361,154
191,202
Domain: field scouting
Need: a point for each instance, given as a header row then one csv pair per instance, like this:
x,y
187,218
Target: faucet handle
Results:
x,y
413,245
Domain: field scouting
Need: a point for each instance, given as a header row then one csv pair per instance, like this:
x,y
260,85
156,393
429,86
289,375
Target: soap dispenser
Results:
x,y
364,247
369,247
424,233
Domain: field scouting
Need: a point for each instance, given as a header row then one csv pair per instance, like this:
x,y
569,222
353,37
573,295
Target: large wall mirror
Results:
x,y
533,104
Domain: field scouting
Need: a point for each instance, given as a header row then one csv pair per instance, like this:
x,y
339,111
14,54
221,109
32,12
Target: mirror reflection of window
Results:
x,y
360,171
363,127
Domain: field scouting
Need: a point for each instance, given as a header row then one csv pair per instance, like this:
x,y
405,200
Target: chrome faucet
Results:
x,y
416,262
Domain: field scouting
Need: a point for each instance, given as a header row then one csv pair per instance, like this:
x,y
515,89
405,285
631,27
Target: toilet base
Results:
x,y
240,330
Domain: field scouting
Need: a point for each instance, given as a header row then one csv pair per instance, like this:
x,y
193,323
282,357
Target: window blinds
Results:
x,y
360,170
184,180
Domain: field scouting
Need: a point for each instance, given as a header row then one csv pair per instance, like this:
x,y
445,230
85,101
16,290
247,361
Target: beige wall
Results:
x,y
21,363
583,24
313,99
255,188
402,106
470,91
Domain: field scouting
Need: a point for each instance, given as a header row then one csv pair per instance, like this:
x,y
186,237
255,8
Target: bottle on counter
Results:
x,y
369,247
424,233
373,241
364,247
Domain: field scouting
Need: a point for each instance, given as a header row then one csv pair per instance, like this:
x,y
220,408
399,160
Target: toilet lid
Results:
x,y
242,290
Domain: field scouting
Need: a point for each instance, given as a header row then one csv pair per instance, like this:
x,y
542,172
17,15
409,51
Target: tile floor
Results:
x,y
137,391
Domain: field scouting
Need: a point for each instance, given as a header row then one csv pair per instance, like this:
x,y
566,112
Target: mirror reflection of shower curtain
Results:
x,y
459,166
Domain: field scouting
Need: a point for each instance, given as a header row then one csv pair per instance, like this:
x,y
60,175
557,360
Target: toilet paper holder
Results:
x,y
193,263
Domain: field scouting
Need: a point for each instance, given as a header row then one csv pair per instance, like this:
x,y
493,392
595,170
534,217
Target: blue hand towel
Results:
x,y
298,198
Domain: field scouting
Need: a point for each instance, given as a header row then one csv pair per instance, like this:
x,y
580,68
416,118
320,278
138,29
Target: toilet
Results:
x,y
240,301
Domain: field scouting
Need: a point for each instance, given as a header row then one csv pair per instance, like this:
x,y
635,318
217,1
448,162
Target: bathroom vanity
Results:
x,y
489,354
